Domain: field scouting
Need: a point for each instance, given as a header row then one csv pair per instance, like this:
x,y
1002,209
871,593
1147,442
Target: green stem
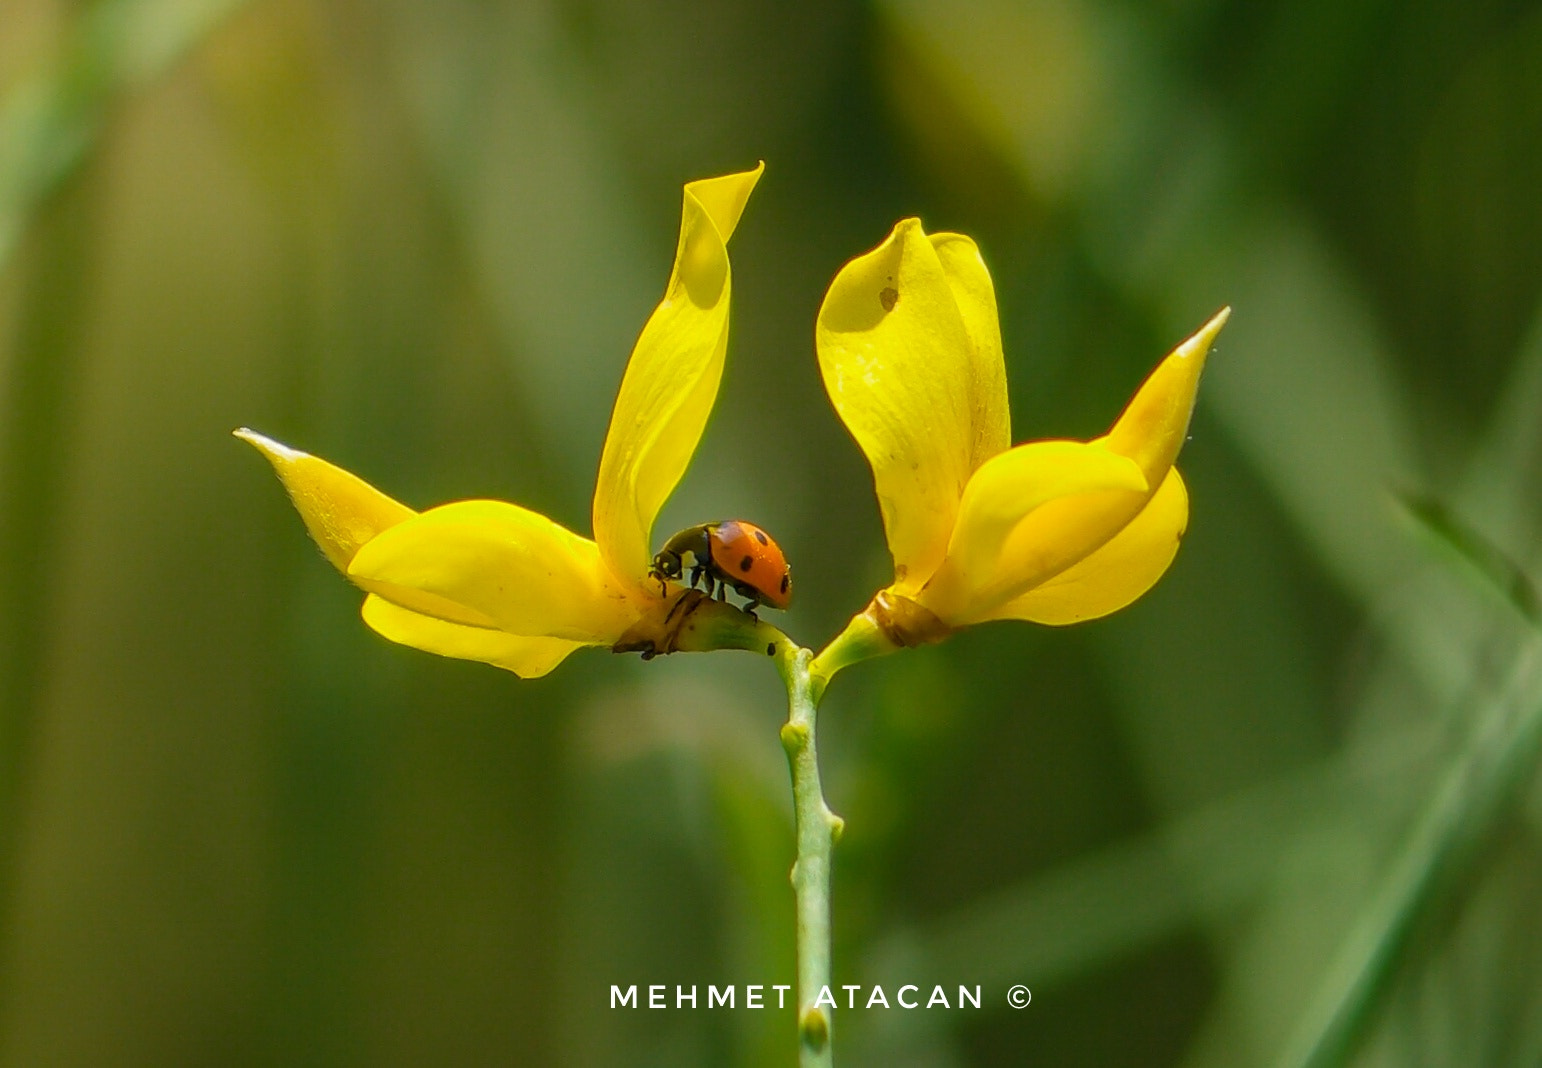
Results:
x,y
818,828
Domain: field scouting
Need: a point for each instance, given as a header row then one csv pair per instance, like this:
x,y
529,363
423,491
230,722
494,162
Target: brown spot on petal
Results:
x,y
888,296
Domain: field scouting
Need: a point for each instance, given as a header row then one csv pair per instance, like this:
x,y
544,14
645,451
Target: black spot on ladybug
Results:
x,y
760,536
785,580
747,563
888,296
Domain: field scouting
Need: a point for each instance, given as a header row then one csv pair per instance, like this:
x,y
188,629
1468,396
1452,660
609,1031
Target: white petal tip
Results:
x,y
1199,344
273,449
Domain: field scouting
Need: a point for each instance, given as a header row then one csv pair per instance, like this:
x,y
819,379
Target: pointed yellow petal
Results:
x,y
1026,490
1156,421
495,564
897,360
1057,537
528,658
723,199
1115,575
990,418
340,510
671,380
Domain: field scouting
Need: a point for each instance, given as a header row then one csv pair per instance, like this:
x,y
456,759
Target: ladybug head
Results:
x,y
667,565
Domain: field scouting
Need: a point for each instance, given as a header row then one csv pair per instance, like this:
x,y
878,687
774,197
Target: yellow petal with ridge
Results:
x,y
1150,432
496,565
897,362
1034,486
1116,574
989,416
671,380
528,658
340,510
1155,423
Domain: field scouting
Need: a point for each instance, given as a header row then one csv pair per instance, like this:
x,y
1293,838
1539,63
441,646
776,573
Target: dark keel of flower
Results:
x,y
904,622
692,623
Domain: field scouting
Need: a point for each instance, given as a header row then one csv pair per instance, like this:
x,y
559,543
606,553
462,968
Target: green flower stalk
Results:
x,y
818,829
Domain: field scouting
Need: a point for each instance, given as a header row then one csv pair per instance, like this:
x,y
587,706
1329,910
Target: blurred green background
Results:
x,y
419,239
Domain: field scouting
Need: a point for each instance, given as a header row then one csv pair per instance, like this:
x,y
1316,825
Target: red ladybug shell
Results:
x,y
746,556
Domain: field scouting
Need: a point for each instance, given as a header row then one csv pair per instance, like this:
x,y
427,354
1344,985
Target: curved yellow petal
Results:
x,y
723,198
896,359
990,419
528,658
1118,573
1062,533
988,561
340,510
496,565
671,380
1156,421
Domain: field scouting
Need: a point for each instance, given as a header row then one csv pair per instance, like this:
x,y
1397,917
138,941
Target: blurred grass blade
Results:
x,y
49,122
47,126
1505,472
1482,556
1439,850
1207,863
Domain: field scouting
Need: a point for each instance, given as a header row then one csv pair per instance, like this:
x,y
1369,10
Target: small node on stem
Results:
x,y
837,826
794,737
814,1027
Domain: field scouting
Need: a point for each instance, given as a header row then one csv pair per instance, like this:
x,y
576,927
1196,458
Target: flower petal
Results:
x,y
671,380
340,510
1018,523
528,658
496,565
1156,421
1115,575
990,418
896,359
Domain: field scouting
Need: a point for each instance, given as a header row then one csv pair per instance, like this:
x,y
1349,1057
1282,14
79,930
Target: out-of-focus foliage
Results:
x,y
1288,792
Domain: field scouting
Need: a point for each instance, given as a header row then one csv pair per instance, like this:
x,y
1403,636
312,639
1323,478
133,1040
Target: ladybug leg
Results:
x,y
748,591
696,574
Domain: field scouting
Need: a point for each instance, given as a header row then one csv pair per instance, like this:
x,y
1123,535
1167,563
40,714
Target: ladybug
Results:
x,y
731,554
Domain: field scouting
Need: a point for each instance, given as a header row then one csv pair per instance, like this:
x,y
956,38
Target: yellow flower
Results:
x,y
1051,531
491,581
